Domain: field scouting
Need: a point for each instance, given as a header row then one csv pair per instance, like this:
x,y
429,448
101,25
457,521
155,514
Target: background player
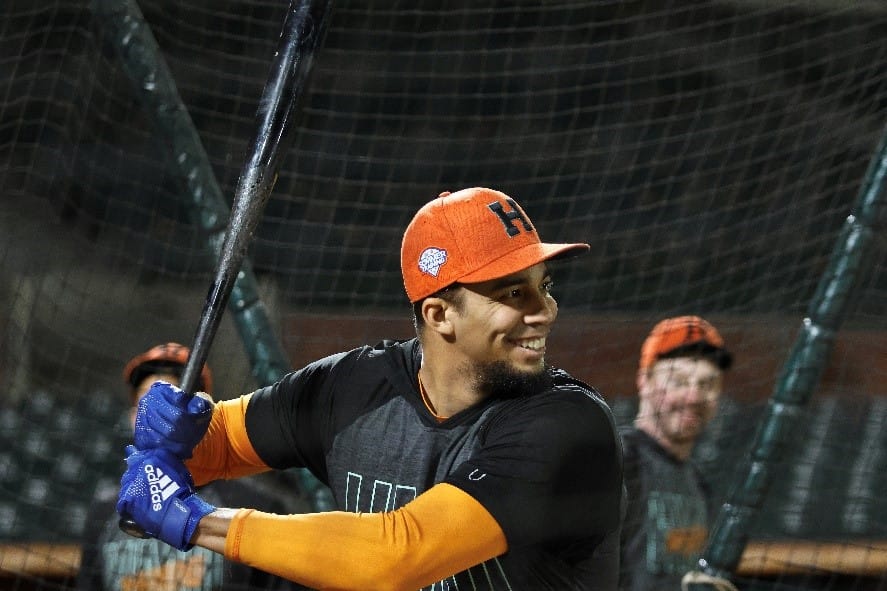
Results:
x,y
457,456
112,560
679,380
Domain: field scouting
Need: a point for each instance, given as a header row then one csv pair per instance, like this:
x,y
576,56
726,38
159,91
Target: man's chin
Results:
x,y
529,369
504,380
687,433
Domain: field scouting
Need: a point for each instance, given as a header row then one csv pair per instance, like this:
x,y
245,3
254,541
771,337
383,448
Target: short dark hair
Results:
x,y
717,355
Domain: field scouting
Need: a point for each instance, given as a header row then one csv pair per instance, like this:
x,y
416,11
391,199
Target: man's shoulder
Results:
x,y
396,353
630,433
386,358
639,446
564,382
567,404
578,395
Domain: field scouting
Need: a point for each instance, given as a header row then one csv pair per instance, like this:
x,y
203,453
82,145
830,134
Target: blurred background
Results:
x,y
711,152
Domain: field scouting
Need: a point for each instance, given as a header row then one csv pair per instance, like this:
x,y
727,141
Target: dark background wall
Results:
x,y
709,151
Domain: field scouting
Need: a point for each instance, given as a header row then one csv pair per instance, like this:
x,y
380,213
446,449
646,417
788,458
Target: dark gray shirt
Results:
x,y
667,515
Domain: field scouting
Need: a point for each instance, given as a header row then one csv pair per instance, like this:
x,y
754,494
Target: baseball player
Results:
x,y
679,379
458,459
113,561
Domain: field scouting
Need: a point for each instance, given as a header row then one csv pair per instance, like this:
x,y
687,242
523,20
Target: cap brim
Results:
x,y
523,258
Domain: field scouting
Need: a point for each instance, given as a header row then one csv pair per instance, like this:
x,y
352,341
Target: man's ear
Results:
x,y
436,312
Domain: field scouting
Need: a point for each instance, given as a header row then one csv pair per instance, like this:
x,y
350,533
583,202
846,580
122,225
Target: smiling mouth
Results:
x,y
692,416
535,345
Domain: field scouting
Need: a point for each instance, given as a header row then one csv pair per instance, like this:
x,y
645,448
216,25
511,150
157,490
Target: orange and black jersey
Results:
x,y
546,467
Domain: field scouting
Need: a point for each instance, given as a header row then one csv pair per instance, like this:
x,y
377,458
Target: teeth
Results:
x,y
534,344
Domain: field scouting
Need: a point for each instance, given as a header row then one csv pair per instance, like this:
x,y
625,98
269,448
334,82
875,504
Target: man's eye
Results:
x,y
511,293
548,286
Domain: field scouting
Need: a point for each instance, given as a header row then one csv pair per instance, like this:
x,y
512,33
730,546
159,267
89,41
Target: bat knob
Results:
x,y
130,527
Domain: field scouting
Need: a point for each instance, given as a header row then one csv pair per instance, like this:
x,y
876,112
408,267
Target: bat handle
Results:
x,y
129,526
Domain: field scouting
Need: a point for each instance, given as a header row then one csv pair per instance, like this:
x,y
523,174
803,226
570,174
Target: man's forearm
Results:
x,y
408,548
213,529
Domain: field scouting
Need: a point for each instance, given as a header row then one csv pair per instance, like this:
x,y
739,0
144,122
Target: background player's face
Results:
x,y
507,321
680,396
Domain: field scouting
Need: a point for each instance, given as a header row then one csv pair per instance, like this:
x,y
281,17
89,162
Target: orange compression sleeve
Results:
x,y
442,532
225,451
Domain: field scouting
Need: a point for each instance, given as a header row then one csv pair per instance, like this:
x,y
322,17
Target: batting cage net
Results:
x,y
722,157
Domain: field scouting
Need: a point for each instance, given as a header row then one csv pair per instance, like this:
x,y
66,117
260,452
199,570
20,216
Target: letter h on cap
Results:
x,y
506,217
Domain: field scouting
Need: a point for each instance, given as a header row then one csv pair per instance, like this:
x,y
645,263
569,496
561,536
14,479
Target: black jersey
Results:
x,y
548,467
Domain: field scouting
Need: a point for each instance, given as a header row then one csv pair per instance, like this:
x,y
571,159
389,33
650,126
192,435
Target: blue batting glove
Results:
x,y
156,492
169,418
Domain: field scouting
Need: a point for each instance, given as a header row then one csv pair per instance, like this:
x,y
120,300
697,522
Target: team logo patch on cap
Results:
x,y
431,260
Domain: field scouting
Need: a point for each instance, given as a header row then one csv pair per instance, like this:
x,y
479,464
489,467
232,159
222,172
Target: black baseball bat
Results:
x,y
303,30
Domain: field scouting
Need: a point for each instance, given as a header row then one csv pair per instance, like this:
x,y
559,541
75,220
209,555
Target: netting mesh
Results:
x,y
710,152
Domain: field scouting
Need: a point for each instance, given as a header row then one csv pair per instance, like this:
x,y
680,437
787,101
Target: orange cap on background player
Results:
x,y
684,335
470,236
168,357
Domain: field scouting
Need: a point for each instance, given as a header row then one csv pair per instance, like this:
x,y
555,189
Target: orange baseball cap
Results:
x,y
168,357
684,335
470,236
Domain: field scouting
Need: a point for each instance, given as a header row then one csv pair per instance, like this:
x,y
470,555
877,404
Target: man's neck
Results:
x,y
447,391
678,449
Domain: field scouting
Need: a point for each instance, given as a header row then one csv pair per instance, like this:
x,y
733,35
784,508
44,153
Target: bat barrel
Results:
x,y
289,69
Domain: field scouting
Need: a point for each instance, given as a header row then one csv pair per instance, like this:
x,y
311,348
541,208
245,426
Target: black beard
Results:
x,y
500,380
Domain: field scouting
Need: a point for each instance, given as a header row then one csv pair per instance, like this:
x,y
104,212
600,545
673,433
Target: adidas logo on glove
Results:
x,y
160,486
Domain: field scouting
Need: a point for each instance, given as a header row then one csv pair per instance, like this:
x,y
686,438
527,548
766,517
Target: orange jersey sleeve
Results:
x,y
442,532
225,451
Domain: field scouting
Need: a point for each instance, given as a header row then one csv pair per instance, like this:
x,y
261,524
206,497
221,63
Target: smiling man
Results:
x,y
679,380
458,459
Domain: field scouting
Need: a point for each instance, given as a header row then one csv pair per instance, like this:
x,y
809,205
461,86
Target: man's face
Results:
x,y
505,322
679,397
